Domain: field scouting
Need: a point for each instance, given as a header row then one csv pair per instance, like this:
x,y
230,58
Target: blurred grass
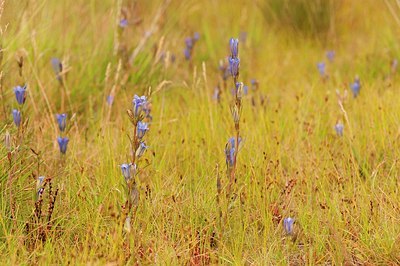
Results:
x,y
343,214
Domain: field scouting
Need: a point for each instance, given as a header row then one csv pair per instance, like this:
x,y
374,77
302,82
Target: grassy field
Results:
x,y
341,191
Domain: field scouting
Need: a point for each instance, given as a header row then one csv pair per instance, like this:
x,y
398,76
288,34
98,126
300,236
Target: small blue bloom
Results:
x,y
230,149
234,46
245,89
288,225
110,99
141,149
189,43
126,171
62,121
57,67
187,53
141,129
63,143
321,68
230,152
123,23
330,55
39,183
139,104
234,66
339,129
355,87
20,94
17,117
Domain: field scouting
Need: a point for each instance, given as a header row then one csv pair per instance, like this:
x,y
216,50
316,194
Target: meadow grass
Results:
x,y
341,191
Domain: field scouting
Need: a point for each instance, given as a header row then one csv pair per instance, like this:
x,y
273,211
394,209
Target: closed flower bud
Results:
x,y
20,94
63,143
17,117
234,66
141,129
234,46
62,121
239,90
288,225
235,114
141,149
139,103
339,129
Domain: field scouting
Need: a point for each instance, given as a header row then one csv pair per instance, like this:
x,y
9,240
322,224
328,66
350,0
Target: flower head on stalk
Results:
x,y
57,67
141,149
234,64
288,225
63,143
230,153
20,94
139,105
330,55
110,100
356,86
234,46
127,171
141,129
123,23
16,117
339,129
321,69
62,121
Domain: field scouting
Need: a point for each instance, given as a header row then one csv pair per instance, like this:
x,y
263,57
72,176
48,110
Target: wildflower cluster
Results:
x,y
62,140
139,114
232,146
189,45
20,95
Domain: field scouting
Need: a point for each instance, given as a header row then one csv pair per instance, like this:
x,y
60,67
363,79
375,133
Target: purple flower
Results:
x,y
20,94
126,171
230,152
355,87
339,129
141,149
330,55
141,129
139,104
57,67
288,225
245,89
110,99
234,66
234,46
62,121
63,143
123,23
17,117
321,68
189,43
187,53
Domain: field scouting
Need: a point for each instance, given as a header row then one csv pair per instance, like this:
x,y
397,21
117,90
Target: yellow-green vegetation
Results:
x,y
342,191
